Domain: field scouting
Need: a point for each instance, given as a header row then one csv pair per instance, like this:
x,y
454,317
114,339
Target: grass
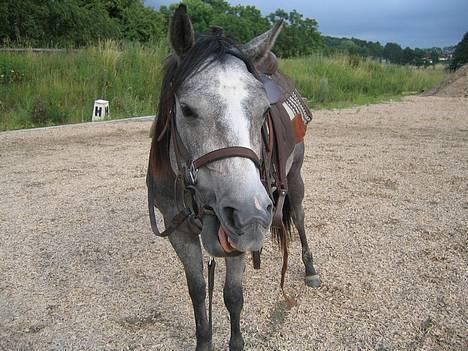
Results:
x,y
342,81
40,89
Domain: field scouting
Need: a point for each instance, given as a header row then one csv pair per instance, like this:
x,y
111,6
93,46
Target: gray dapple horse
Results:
x,y
212,97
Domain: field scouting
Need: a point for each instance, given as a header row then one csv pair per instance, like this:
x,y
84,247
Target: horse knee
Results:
x,y
233,298
197,291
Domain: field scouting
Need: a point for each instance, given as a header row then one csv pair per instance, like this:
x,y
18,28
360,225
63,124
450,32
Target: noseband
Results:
x,y
190,167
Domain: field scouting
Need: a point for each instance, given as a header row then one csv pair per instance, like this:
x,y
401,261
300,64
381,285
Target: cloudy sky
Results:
x,y
414,23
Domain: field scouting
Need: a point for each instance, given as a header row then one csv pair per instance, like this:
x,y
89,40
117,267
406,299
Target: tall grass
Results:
x,y
55,88
346,80
39,89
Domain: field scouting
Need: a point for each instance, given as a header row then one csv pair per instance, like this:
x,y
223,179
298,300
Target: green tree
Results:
x,y
219,6
392,52
352,46
375,49
299,36
143,24
435,56
23,21
460,55
78,22
407,56
419,57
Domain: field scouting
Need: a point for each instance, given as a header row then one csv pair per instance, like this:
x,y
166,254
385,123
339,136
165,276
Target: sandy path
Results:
x,y
386,205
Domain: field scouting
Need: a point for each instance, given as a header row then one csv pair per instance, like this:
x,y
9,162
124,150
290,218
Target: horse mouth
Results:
x,y
215,239
224,240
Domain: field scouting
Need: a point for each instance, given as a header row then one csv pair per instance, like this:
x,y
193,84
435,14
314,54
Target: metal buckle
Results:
x,y
192,174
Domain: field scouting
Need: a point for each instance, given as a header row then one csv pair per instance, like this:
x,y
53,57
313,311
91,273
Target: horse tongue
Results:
x,y
223,240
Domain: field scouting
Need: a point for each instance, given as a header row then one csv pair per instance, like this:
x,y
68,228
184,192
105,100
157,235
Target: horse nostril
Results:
x,y
229,215
237,218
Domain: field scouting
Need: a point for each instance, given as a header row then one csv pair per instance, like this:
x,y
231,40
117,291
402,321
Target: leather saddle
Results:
x,y
287,103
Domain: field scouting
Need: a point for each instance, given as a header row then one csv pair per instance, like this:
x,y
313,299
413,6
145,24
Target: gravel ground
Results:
x,y
386,203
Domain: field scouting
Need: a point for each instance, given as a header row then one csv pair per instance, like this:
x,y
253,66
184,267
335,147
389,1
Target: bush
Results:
x,y
40,112
11,72
460,56
45,113
57,115
324,89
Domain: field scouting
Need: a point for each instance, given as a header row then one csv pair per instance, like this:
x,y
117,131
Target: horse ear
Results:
x,y
181,34
259,46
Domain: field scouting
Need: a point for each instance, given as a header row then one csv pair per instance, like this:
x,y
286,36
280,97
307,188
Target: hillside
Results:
x,y
454,84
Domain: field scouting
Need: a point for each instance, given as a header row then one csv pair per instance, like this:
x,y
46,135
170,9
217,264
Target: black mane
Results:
x,y
207,50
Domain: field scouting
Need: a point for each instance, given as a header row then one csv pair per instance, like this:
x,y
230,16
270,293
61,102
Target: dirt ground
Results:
x,y
386,202
455,84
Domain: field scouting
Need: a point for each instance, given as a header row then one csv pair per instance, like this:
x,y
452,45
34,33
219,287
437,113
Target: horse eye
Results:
x,y
187,111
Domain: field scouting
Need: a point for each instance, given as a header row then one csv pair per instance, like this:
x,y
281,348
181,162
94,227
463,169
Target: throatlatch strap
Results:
x,y
178,219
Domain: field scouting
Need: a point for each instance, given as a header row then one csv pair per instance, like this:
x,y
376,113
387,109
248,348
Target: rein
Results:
x,y
211,274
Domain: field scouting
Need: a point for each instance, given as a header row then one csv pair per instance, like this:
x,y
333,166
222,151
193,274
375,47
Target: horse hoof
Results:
x,y
312,280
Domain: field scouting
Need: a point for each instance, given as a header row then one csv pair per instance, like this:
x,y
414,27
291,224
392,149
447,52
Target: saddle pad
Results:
x,y
298,113
282,93
295,105
299,127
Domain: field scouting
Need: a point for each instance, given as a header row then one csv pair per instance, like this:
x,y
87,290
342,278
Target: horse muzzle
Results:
x,y
220,240
211,240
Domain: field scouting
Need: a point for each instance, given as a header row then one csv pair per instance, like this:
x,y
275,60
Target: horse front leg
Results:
x,y
187,247
234,299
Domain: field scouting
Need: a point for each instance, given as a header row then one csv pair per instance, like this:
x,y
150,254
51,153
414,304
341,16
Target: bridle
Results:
x,y
190,211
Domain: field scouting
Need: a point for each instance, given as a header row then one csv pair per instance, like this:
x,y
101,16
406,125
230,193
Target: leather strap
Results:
x,y
178,219
256,259
232,151
211,274
278,214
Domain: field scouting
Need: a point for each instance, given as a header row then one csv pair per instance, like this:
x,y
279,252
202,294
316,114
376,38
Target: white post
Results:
x,y
100,110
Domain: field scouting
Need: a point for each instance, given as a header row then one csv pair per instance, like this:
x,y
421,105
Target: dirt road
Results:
x,y
386,203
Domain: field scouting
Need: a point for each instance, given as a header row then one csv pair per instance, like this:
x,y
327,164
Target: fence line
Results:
x,y
34,50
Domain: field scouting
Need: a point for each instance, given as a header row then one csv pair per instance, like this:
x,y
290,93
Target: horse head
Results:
x,y
218,102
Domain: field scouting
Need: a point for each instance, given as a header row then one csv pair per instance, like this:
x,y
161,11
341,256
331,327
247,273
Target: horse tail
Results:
x,y
283,236
287,219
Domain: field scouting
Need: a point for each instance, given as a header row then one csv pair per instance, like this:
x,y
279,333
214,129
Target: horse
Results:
x,y
205,158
